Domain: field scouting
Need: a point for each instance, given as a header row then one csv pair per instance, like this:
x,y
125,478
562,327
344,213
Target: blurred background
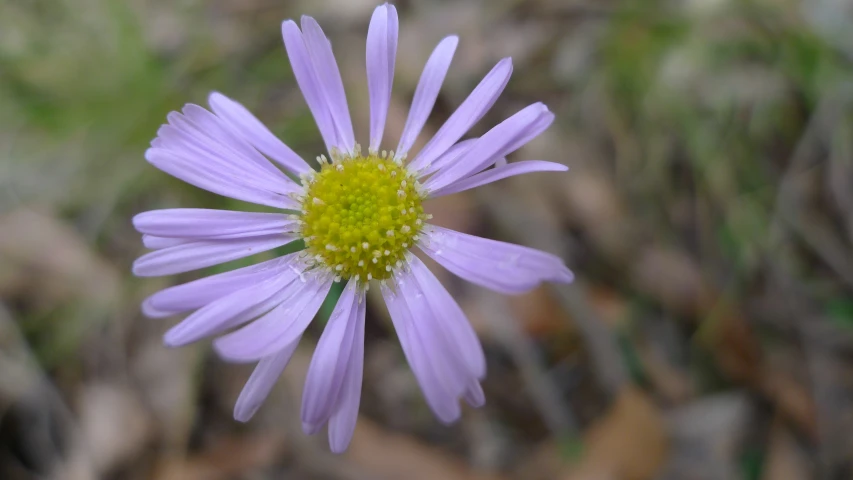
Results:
x,y
708,214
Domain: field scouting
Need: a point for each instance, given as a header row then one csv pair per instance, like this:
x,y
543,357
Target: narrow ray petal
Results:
x,y
443,403
474,396
242,122
193,173
500,141
306,78
329,80
500,266
329,363
204,253
231,310
154,242
205,223
499,173
261,382
381,56
426,92
449,319
199,134
280,326
469,112
198,293
451,155
342,423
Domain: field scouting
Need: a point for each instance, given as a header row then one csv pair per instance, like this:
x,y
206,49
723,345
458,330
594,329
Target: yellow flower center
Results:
x,y
360,215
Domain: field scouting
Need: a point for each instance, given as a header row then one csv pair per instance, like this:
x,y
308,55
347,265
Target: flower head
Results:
x,y
360,215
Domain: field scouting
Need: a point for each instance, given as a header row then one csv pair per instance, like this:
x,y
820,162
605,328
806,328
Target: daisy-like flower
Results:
x,y
360,214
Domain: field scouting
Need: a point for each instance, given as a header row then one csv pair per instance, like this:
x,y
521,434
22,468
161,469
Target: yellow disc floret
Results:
x,y
360,215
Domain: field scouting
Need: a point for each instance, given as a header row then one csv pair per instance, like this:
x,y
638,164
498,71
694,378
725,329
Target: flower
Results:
x,y
360,215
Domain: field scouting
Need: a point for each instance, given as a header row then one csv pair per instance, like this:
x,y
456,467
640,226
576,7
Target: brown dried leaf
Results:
x,y
629,443
390,455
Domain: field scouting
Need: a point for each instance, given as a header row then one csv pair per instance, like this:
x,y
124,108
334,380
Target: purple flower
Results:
x,y
359,214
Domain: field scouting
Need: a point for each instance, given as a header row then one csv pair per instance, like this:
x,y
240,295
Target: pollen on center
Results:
x,y
360,215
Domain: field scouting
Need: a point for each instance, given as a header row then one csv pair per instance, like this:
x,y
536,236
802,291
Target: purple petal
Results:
x,y
470,112
474,396
206,223
499,173
426,92
232,310
329,81
381,56
217,180
449,320
217,131
329,363
342,423
206,139
447,158
203,253
500,141
443,403
280,326
500,266
242,122
306,78
198,293
156,243
261,382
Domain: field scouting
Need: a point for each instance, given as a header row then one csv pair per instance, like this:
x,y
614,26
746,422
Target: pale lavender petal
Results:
x,y
218,132
306,78
499,173
329,363
207,223
502,161
206,139
443,403
472,110
448,370
261,382
381,56
241,120
451,155
216,181
232,310
474,396
342,423
151,312
204,253
426,92
461,340
500,141
198,293
156,243
500,266
329,80
280,326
